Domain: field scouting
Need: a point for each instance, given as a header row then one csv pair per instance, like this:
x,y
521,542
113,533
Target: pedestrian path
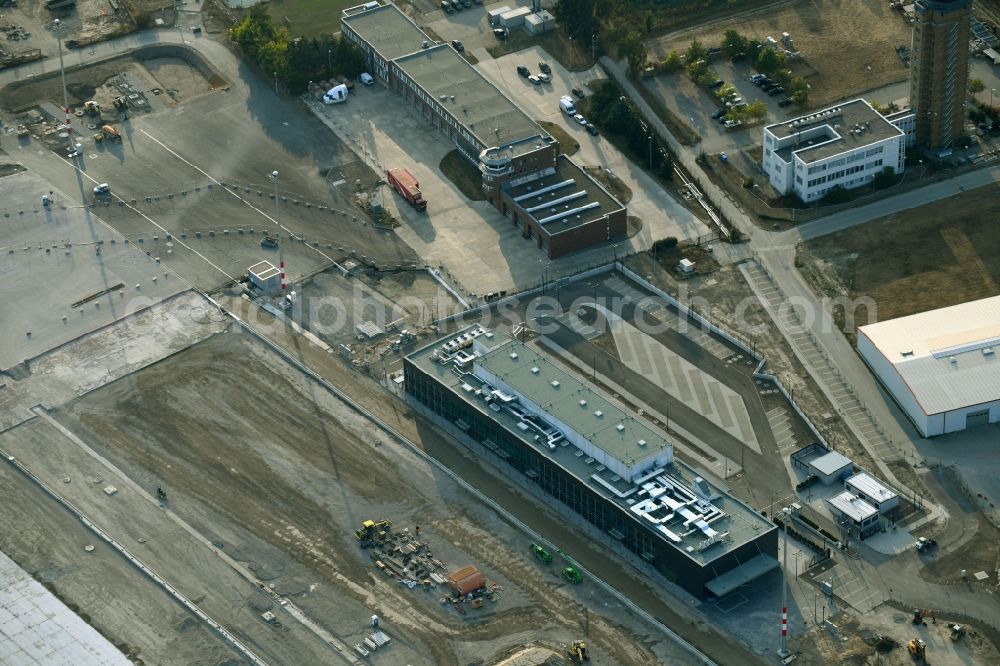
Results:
x,y
811,354
780,422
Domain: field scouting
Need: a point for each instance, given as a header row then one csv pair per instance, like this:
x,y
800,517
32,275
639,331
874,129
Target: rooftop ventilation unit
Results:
x,y
620,427
513,355
987,351
642,442
598,413
583,403
534,371
953,360
555,383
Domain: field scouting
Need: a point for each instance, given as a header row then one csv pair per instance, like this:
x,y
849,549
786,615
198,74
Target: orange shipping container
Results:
x,y
465,580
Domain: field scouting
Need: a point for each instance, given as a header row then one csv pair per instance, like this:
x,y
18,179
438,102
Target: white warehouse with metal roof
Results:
x,y
940,366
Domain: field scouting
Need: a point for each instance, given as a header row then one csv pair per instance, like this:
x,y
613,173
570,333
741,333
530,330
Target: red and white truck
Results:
x,y
403,182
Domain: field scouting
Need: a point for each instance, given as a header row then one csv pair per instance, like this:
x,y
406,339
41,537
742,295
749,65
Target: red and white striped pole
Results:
x,y
783,650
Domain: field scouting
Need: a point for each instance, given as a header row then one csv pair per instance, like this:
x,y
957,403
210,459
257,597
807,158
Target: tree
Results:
x,y
576,17
767,60
634,50
756,110
976,86
649,21
798,91
884,178
733,43
672,62
694,53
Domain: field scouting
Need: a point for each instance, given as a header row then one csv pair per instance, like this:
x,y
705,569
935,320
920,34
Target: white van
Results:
x,y
567,106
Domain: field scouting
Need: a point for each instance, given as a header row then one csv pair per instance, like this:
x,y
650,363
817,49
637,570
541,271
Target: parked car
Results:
x,y
579,93
754,78
544,67
732,124
523,71
544,78
718,113
478,2
269,242
446,6
739,57
580,119
500,33
535,80
775,91
103,188
458,46
718,83
590,128
566,105
785,102
467,3
366,78
456,5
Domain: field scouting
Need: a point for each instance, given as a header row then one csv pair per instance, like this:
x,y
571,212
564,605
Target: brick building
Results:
x,y
939,70
548,197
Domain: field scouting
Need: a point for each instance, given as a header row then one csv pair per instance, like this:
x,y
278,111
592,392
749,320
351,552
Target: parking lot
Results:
x,y
695,106
661,213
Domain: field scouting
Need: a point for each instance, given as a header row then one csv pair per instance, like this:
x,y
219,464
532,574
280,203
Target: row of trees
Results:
x,y
615,114
294,62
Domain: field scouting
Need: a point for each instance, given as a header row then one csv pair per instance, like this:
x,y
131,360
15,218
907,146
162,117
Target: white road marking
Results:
x,y
225,189
154,223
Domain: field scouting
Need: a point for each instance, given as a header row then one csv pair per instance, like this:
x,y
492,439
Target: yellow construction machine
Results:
x,y
370,531
917,649
578,652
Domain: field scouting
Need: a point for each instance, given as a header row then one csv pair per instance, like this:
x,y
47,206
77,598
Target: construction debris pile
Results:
x,y
403,556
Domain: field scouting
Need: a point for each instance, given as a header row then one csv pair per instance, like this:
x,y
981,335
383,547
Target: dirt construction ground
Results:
x,y
916,260
275,474
847,46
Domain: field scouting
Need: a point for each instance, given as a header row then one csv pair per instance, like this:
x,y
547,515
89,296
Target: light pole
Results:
x,y
593,48
783,650
62,73
329,61
275,83
281,242
992,90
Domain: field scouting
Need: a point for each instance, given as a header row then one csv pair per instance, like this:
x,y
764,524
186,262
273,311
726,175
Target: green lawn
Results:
x,y
309,18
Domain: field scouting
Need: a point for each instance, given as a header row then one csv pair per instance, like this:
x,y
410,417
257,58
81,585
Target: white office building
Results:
x,y
844,145
940,366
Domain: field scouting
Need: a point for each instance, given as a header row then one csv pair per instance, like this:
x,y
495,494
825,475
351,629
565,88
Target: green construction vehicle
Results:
x,y
542,554
572,574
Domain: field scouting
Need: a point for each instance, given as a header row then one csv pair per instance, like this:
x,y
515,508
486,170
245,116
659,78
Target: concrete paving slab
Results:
x,y
36,628
66,274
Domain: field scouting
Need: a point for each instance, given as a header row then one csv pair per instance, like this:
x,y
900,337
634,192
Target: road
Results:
x,y
775,252
178,151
